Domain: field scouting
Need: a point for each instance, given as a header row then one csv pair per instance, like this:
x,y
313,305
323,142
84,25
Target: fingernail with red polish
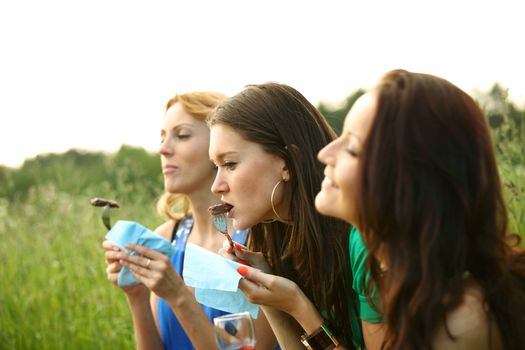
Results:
x,y
243,270
238,247
242,262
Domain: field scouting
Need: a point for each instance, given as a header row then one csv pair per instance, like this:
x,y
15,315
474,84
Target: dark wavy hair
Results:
x,y
430,203
314,249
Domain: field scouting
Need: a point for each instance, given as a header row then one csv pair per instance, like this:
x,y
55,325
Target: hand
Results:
x,y
270,290
153,269
113,269
241,254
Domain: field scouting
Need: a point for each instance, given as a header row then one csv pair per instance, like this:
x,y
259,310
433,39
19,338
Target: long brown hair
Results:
x,y
199,104
313,250
430,203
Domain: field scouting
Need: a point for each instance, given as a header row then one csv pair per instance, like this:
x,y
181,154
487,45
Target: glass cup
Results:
x,y
235,331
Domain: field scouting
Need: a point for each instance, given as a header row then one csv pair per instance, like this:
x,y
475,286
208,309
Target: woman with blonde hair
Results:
x,y
172,318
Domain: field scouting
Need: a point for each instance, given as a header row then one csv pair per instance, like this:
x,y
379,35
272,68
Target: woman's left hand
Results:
x,y
153,269
270,290
241,254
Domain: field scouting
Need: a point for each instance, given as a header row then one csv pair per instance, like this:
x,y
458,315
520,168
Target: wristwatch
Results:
x,y
322,339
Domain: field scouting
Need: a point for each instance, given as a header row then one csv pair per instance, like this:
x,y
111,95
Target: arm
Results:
x,y
285,328
285,305
264,333
160,277
146,334
289,312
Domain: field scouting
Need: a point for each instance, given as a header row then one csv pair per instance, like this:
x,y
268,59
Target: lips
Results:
x,y
169,169
328,183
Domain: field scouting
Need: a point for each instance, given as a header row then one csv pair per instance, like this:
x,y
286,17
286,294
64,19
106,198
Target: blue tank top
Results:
x,y
172,333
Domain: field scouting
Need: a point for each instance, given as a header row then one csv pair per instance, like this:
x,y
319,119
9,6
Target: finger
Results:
x,y
114,267
108,245
147,252
254,292
256,277
226,246
248,257
137,260
111,255
113,278
138,270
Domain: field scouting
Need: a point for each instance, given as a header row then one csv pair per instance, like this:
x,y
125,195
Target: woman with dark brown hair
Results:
x,y
265,141
414,170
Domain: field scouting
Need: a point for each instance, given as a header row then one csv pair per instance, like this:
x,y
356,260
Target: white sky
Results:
x,y
96,74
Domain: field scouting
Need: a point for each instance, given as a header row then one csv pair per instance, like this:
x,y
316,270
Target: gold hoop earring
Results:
x,y
271,202
269,221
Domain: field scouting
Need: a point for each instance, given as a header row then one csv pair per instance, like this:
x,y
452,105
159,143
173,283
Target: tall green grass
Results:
x,y
53,289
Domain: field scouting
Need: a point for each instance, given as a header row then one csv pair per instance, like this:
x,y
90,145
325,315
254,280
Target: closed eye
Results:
x,y
229,165
352,152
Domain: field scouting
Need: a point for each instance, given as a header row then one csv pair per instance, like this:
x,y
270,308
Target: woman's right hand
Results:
x,y
113,269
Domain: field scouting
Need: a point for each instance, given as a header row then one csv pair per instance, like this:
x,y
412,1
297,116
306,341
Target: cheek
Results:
x,y
346,178
195,152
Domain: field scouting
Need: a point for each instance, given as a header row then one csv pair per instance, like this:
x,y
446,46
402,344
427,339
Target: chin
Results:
x,y
329,208
322,204
238,225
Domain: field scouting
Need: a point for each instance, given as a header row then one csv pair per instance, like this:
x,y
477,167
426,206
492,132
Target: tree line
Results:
x,y
133,169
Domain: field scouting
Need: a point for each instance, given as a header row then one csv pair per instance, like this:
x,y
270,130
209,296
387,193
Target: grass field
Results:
x,y
53,288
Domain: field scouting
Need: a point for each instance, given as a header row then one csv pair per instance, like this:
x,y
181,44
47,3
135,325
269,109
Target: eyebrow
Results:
x,y
177,127
349,133
224,154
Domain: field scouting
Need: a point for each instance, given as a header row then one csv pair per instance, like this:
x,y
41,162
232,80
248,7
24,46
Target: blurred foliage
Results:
x,y
76,172
335,113
508,132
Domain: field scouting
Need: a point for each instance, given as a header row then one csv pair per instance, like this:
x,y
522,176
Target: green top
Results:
x,y
366,312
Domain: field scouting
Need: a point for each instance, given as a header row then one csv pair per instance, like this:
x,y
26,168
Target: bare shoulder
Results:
x,y
166,229
469,324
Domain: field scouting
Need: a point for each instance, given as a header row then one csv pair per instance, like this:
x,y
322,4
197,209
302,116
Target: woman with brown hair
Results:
x,y
414,170
264,141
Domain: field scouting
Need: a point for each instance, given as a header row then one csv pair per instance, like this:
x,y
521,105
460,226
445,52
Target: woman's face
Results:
x,y
184,152
338,193
246,176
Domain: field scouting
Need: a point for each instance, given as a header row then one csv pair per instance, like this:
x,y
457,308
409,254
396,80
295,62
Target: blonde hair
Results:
x,y
174,206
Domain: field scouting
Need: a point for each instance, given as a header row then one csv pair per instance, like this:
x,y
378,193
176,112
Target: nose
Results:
x,y
219,185
326,155
165,148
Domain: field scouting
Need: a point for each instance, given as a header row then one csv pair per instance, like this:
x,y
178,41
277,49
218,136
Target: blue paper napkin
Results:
x,y
216,281
131,232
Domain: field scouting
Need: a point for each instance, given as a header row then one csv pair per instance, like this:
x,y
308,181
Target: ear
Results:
x,y
285,173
